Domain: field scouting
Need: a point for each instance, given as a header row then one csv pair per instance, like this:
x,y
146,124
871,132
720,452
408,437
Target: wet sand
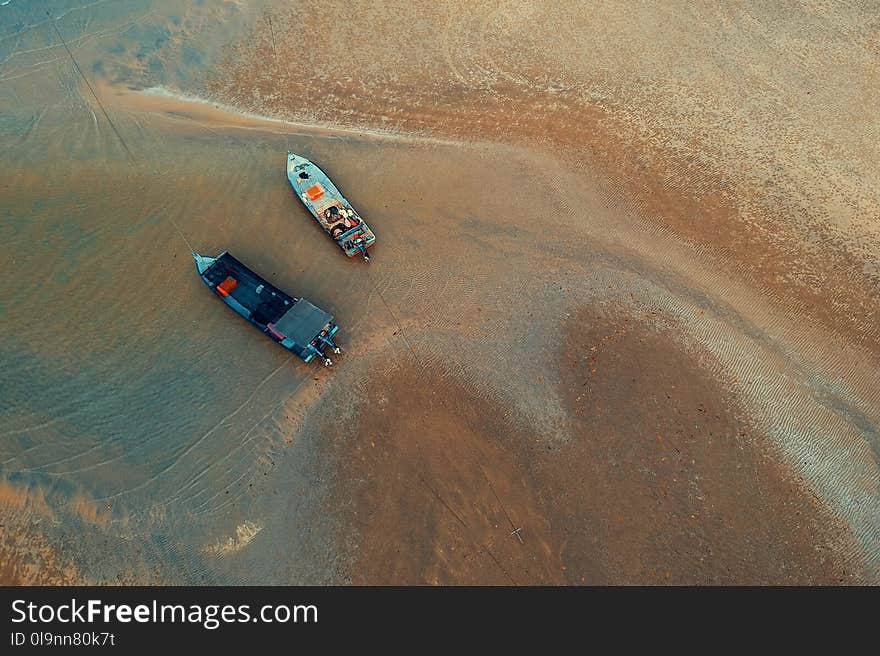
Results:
x,y
572,359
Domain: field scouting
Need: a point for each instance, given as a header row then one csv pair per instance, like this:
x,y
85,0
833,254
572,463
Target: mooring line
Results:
x,y
89,85
394,316
110,120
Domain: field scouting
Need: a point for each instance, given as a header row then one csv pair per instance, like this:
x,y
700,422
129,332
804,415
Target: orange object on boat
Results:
x,y
226,286
315,191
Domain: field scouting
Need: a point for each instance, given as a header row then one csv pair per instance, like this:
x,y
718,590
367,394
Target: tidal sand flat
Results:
x,y
619,325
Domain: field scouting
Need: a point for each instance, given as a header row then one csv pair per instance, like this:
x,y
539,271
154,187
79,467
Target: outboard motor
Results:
x,y
326,340
327,361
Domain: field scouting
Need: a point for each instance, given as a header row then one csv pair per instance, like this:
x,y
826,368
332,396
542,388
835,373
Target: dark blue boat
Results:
x,y
296,324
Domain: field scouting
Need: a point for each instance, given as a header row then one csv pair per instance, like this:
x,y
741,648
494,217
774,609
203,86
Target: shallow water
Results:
x,y
112,392
149,435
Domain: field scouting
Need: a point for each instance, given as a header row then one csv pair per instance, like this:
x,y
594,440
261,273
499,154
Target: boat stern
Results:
x,y
322,342
357,241
306,330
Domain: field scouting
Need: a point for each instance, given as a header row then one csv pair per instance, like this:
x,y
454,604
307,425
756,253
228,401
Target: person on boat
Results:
x,y
349,218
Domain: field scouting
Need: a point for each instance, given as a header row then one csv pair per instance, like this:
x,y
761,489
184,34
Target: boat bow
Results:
x,y
203,262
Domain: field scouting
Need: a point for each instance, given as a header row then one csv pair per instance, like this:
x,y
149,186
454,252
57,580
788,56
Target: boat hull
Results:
x,y
329,207
294,323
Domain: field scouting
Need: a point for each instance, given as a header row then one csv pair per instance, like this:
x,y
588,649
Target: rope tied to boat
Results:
x,y
106,114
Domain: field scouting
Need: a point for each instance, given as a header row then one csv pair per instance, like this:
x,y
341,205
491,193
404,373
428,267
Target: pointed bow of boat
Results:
x,y
294,160
203,262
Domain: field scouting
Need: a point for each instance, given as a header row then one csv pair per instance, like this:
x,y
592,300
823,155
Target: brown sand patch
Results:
x,y
28,499
676,484
33,500
26,555
27,558
32,542
36,551
31,549
89,510
432,488
663,479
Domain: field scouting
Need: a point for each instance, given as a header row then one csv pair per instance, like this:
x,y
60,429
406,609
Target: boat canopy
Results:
x,y
302,322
